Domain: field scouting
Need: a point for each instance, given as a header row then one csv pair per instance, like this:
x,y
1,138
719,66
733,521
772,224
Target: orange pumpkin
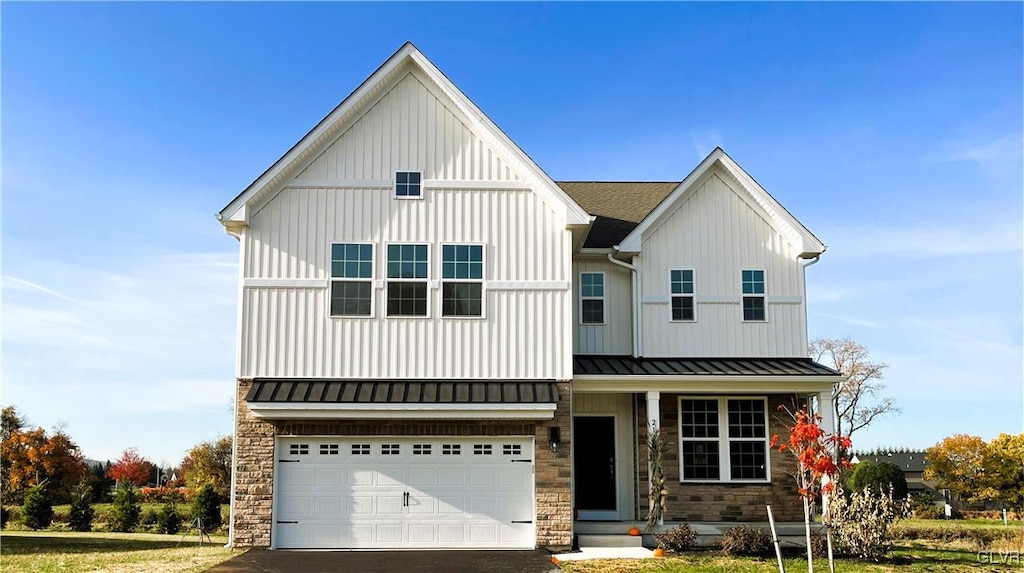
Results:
x,y
554,560
659,552
634,531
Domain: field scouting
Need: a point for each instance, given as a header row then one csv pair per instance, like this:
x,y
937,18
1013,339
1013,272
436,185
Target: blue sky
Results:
x,y
893,131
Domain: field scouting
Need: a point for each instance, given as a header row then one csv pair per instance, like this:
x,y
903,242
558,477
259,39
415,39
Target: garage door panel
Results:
x,y
350,493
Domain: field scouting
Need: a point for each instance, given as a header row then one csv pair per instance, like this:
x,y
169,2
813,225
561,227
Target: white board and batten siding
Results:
x,y
615,335
719,231
345,195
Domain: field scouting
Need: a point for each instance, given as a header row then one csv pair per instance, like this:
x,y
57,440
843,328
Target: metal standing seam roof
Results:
x,y
629,366
285,390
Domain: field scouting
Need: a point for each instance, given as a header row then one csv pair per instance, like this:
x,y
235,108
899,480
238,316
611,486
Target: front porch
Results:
x,y
716,423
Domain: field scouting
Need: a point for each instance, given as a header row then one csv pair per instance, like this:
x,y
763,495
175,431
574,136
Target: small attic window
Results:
x,y
408,185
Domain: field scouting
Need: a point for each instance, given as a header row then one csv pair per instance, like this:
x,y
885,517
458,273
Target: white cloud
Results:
x,y
926,241
999,158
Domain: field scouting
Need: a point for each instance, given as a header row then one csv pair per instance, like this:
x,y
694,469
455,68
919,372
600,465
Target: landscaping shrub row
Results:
x,y
980,538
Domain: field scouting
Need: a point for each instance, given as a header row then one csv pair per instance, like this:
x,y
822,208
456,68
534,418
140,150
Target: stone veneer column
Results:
x,y
553,476
254,475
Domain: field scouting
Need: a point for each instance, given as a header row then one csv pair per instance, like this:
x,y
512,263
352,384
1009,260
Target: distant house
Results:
x,y
912,464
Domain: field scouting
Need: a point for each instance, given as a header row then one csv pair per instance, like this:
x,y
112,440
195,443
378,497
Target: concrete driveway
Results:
x,y
264,561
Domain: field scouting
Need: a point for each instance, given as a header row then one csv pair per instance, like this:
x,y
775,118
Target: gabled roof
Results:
x,y
330,127
779,217
618,205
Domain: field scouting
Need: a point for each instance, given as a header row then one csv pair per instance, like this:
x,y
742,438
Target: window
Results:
x,y
390,449
421,449
753,295
682,294
740,453
462,273
409,184
351,279
481,449
512,449
360,449
592,298
329,449
451,450
298,449
407,280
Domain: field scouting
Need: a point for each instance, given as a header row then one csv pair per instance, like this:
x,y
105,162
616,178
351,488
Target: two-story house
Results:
x,y
441,347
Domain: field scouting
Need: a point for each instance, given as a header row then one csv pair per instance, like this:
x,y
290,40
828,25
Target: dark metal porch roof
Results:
x,y
583,365
295,390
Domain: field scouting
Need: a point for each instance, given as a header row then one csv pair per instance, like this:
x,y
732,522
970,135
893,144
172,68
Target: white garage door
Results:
x,y
404,493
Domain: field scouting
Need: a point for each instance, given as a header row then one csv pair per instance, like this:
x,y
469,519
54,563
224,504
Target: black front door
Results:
x,y
593,467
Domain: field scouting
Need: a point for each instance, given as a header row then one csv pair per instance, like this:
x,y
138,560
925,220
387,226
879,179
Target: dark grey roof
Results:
x,y
402,391
618,205
907,461
583,364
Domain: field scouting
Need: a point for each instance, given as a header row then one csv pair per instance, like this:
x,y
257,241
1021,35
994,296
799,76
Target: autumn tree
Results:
x,y
131,467
209,463
958,464
1004,470
10,422
859,396
33,458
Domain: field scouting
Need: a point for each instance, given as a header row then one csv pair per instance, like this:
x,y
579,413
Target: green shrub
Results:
x,y
862,522
37,511
125,512
149,519
81,514
168,520
679,538
879,476
745,541
206,507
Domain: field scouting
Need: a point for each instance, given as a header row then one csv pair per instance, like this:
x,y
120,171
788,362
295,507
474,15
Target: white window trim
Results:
x,y
604,303
394,186
388,281
332,280
763,296
482,281
724,441
692,295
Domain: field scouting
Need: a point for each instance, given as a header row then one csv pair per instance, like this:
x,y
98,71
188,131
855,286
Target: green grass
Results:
x,y
966,523
904,559
48,551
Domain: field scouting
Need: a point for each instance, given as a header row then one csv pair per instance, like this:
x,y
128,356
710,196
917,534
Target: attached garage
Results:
x,y
350,492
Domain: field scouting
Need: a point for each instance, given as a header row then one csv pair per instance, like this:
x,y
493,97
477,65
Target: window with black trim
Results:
x,y
329,449
451,450
408,184
753,295
351,279
298,449
681,284
360,449
592,298
462,274
407,280
739,453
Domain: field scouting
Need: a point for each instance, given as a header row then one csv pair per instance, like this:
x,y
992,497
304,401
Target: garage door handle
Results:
x,y
288,461
522,521
514,461
279,521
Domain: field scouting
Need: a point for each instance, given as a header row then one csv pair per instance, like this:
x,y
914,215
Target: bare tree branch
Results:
x,y
858,398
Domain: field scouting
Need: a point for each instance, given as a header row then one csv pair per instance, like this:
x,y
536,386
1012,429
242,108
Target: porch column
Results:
x,y
827,410
653,411
653,425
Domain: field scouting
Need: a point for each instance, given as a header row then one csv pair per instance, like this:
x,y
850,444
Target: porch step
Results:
x,y
610,541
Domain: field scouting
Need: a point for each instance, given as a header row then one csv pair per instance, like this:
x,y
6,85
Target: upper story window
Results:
x,y
753,295
681,283
407,280
409,184
592,298
723,439
462,273
351,279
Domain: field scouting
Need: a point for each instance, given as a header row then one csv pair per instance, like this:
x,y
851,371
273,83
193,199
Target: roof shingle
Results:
x,y
618,205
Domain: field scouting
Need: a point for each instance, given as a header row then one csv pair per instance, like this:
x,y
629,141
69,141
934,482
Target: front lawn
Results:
x,y
916,560
50,551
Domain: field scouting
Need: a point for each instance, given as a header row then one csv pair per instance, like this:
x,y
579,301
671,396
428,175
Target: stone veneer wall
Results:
x,y
726,501
254,473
